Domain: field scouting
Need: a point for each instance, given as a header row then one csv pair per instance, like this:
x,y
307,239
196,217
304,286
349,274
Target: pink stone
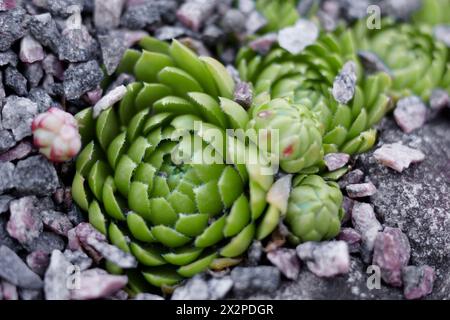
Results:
x,y
262,45
335,161
352,237
38,261
96,283
410,113
31,50
24,224
417,281
361,190
391,253
9,291
56,221
19,152
397,156
286,261
109,100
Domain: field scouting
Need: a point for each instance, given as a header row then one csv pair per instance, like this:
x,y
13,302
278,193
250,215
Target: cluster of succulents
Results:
x,y
138,176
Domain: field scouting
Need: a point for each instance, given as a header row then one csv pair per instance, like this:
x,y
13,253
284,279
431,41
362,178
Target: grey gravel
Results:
x,y
34,74
352,177
47,242
25,224
81,78
7,174
44,29
12,27
410,113
7,141
14,80
262,279
295,39
361,190
8,58
78,258
113,47
55,281
15,271
4,202
345,83
36,175
107,13
18,114
56,221
442,33
30,50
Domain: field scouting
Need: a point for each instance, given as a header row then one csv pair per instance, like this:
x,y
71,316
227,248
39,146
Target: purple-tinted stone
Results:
x,y
56,277
15,271
123,79
93,96
347,205
56,221
233,21
335,161
112,253
345,83
83,232
361,190
140,15
131,37
2,89
109,100
113,47
372,62
43,28
36,175
8,58
169,32
47,242
351,237
325,259
197,46
17,115
12,27
255,22
53,66
96,283
4,203
391,253
439,100
14,80
120,295
7,174
397,156
147,296
9,291
38,262
72,240
212,34
352,177
30,294
296,38
81,78
262,279
6,5
246,6
78,258
7,141
34,74
286,261
193,13
25,224
22,150
262,45
5,239
30,50
417,281
410,113
107,13
366,223
243,94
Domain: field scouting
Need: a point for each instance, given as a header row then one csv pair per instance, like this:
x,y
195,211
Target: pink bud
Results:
x,y
56,135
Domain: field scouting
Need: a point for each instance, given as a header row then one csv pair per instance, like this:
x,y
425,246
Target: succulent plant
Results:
x,y
433,12
314,211
418,63
272,10
55,133
307,79
139,177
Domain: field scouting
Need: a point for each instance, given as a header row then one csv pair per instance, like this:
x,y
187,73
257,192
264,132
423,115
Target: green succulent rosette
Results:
x,y
278,13
139,178
307,79
418,63
315,209
433,12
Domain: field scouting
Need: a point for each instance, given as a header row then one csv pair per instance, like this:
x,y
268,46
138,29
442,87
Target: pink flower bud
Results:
x,y
56,135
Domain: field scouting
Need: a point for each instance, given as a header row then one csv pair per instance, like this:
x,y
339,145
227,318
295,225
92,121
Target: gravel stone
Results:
x,y
38,262
286,261
255,22
36,175
112,253
63,8
30,294
44,29
361,190
295,39
194,289
5,239
439,100
141,15
9,291
81,78
47,242
22,150
30,50
345,83
113,47
442,33
6,5
263,279
53,66
147,296
7,141
78,258
254,253
18,114
262,45
12,27
34,74
8,58
397,156
96,283
417,281
15,271
410,113
25,224
325,259
14,80
243,94
352,177
335,161
352,238
56,277
372,63
4,203
391,253
166,33
7,174
107,13
77,45
41,98
56,221
234,21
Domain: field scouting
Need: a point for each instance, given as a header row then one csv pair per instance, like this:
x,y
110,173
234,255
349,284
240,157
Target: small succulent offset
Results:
x,y
177,217
55,133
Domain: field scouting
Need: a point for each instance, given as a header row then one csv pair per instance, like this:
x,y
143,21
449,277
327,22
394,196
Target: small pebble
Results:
x,y
38,262
30,50
113,47
391,253
14,80
8,58
7,141
255,22
53,66
263,44
295,39
6,5
56,221
112,253
417,281
372,62
345,83
7,174
261,279
442,33
12,26
439,100
335,161
140,15
9,291
25,223
17,115
398,156
107,13
43,28
81,78
193,13
325,259
46,242
78,258
410,113
286,261
109,100
361,190
4,203
56,277
352,177
352,238
97,283
147,296
243,94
